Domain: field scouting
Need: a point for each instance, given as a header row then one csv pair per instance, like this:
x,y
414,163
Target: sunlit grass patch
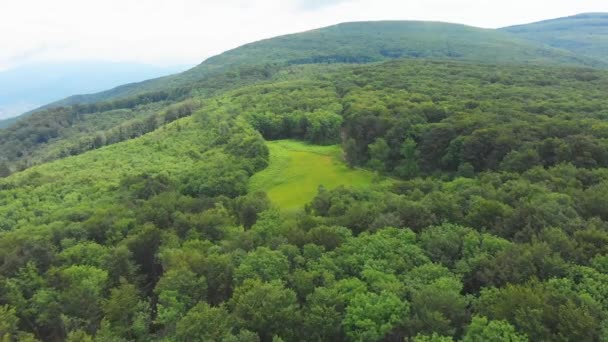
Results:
x,y
297,170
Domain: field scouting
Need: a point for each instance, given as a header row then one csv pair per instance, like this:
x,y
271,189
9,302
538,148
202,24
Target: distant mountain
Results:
x,y
31,86
363,42
585,34
136,108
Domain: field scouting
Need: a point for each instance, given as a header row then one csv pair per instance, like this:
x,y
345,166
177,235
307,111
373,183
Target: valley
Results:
x,y
368,181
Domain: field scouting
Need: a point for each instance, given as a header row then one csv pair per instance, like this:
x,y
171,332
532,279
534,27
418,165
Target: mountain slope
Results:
x,y
53,133
584,34
363,42
30,86
500,210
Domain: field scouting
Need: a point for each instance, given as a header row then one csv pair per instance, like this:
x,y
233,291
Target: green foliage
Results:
x,y
584,34
495,228
432,338
263,264
370,316
204,323
409,165
548,311
379,153
481,330
8,323
266,308
399,39
123,311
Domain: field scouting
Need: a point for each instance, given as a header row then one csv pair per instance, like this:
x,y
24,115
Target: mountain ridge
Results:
x,y
409,39
584,34
68,127
27,87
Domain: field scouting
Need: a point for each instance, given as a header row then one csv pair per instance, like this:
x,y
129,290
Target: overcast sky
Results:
x,y
188,31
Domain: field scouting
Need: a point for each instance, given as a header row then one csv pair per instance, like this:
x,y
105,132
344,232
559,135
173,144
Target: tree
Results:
x,y
432,338
263,264
482,330
122,309
87,253
5,171
370,316
408,166
465,170
178,290
266,308
329,237
204,323
438,307
119,264
324,313
8,323
379,153
82,294
444,243
79,336
250,206
323,127
543,311
220,174
351,152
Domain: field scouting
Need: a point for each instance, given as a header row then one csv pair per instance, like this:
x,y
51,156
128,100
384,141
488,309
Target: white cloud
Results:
x,y
188,31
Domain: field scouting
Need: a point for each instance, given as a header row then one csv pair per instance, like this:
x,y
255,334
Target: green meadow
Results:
x,y
297,169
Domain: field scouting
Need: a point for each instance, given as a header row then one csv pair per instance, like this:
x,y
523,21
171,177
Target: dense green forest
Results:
x,y
367,42
58,132
84,122
585,34
484,219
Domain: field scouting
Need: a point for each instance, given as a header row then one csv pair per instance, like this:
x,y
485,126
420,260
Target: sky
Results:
x,y
170,32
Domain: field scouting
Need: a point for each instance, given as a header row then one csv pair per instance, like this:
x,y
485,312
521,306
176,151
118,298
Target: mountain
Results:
x,y
69,126
451,201
584,34
362,42
30,86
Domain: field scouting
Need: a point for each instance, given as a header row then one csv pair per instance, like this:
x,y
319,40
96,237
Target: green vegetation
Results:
x,y
584,34
80,123
461,201
357,42
399,39
296,171
201,230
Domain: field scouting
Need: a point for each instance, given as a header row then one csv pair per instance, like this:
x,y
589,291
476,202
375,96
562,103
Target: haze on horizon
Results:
x,y
169,32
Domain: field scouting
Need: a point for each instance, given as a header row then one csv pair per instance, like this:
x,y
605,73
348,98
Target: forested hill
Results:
x,y
83,122
475,210
364,42
584,34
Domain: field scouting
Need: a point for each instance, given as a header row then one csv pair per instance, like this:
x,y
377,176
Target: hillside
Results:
x,y
363,42
32,85
496,215
63,131
86,121
583,34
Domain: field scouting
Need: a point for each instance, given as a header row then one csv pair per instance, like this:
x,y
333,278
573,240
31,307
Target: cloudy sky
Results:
x,y
166,32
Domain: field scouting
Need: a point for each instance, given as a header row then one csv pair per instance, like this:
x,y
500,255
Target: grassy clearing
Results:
x,y
297,169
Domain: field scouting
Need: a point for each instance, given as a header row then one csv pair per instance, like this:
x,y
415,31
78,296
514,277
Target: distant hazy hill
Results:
x,y
585,34
363,42
31,86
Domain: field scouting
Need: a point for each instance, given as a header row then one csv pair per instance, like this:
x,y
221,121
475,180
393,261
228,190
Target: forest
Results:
x,y
485,219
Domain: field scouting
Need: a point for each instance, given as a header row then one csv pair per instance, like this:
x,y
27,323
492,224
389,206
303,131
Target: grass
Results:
x,y
297,170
